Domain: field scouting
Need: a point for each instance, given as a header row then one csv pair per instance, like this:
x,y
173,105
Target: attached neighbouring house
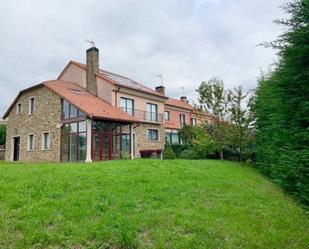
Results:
x,y
89,114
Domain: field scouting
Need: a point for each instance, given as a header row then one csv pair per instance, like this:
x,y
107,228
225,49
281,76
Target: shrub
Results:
x,y
125,155
168,152
204,146
179,148
188,154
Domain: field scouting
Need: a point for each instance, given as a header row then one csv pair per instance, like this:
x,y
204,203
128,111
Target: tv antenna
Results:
x,y
161,77
91,42
183,90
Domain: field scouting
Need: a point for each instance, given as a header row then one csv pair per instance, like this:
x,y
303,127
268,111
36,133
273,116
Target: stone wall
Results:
x,y
141,139
45,119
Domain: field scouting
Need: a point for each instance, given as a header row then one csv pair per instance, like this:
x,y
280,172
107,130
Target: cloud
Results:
x,y
187,41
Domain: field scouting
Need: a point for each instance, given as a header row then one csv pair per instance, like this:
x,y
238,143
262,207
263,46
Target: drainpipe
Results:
x,y
116,96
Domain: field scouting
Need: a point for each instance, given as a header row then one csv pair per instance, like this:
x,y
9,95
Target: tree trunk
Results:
x,y
240,155
221,155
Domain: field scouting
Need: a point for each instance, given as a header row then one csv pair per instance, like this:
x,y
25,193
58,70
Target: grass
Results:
x,y
146,204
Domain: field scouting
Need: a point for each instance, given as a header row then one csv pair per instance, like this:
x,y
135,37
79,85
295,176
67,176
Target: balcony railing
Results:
x,y
144,115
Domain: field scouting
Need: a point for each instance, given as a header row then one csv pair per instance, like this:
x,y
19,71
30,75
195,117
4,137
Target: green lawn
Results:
x,y
146,204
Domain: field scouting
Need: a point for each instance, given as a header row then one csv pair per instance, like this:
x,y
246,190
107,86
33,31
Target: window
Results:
x,y
152,112
167,115
125,143
172,138
153,135
182,120
46,141
127,105
66,109
70,111
30,142
31,105
193,121
74,142
19,109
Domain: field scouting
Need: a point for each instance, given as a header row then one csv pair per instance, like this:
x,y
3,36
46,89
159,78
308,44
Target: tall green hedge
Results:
x,y
2,134
282,108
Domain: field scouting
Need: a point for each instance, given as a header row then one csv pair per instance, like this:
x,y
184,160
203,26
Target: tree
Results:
x,y
199,141
213,99
2,134
282,106
241,119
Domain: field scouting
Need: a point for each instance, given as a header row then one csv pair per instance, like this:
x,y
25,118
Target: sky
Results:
x,y
187,41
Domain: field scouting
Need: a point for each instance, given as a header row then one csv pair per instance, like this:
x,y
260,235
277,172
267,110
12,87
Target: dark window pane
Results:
x,y
73,147
82,148
66,109
126,143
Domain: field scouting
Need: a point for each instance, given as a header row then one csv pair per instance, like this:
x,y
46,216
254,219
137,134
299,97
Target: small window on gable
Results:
x,y
31,105
30,142
46,141
19,108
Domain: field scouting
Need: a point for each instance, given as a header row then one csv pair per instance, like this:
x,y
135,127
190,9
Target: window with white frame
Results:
x,y
31,105
153,134
152,112
30,142
167,116
182,120
46,141
19,108
193,121
127,105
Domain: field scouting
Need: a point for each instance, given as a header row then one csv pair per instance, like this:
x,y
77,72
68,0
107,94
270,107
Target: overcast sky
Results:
x,y
187,41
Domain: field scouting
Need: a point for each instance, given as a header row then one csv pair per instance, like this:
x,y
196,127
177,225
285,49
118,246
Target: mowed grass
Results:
x,y
146,204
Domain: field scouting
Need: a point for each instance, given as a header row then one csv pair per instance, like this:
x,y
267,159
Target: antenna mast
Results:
x,y
91,42
161,77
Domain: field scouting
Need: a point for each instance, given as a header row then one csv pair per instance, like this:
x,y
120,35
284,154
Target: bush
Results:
x,y
125,155
188,154
168,152
179,148
204,146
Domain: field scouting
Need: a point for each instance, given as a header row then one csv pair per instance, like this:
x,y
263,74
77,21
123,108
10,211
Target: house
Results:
x,y
89,114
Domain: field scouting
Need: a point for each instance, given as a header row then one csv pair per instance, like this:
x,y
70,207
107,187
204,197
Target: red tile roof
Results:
x,y
93,106
178,103
120,80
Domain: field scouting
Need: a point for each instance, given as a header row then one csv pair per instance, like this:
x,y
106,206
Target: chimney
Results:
x,y
183,99
92,68
160,89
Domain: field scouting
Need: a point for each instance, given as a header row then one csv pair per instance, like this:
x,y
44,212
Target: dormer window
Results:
x,y
19,108
31,105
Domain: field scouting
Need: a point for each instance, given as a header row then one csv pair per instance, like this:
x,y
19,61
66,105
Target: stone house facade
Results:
x,y
89,114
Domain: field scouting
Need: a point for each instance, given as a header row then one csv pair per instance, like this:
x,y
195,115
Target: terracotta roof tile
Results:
x,y
178,103
93,106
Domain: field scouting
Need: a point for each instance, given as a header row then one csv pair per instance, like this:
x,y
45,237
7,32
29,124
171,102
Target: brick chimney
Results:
x,y
183,99
92,68
160,89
